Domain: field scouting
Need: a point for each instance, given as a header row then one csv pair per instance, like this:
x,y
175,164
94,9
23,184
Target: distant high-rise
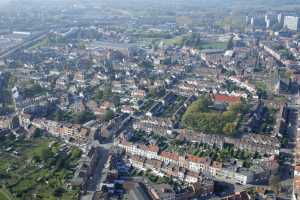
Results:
x,y
279,18
267,21
252,21
291,23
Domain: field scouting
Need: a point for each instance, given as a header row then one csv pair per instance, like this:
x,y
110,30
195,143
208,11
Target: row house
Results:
x,y
8,122
150,151
162,126
117,87
107,105
35,101
127,109
138,94
224,99
176,166
155,110
168,98
251,142
62,82
25,120
72,132
186,89
258,143
114,126
79,77
209,139
100,109
199,164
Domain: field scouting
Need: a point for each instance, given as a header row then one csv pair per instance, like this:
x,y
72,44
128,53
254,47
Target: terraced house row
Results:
x,y
190,168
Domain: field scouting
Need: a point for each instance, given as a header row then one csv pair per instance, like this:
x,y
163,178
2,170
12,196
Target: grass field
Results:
x,y
179,40
5,195
214,45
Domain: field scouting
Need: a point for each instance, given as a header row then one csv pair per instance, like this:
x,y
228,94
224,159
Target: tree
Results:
x,y
229,128
108,115
230,44
99,95
58,192
83,117
46,153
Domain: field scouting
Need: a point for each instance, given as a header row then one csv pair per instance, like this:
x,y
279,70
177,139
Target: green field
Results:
x,y
200,44
29,169
214,45
4,195
178,40
42,43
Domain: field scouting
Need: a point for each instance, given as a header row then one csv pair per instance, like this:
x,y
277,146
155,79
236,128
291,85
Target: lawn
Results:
x,y
5,195
214,45
42,43
178,40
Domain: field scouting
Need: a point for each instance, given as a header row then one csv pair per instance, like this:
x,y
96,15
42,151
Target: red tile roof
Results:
x,y
153,148
227,99
197,159
170,155
297,168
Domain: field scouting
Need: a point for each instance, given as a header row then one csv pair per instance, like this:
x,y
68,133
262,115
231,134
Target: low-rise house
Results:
x,y
107,105
191,177
161,126
155,110
251,142
117,87
161,192
168,98
79,77
78,106
188,168
72,132
138,162
127,109
224,99
138,94
114,126
8,122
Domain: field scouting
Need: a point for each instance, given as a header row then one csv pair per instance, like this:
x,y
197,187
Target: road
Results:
x,y
97,177
24,44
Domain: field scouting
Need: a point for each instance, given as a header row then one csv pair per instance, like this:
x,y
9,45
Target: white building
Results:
x,y
291,23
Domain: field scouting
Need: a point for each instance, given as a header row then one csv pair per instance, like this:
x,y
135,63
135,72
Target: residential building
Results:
x,y
292,23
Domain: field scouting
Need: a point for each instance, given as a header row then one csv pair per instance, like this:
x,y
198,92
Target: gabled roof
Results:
x,y
227,99
170,155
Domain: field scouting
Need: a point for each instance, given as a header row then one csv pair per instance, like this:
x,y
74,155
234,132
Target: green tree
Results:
x,y
229,128
99,95
230,44
58,192
108,115
46,153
